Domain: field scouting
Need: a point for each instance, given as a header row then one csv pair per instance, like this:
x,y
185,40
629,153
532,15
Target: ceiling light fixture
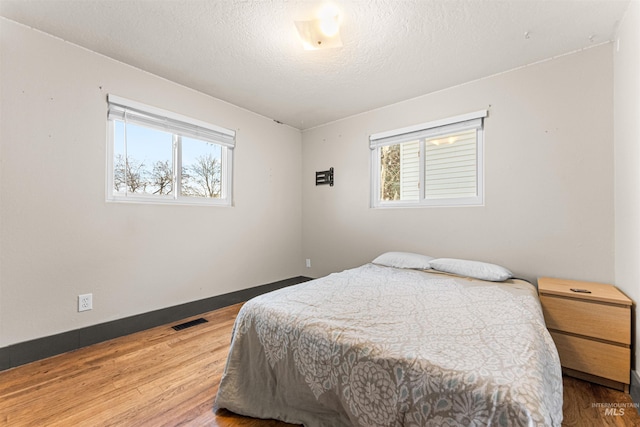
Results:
x,y
323,32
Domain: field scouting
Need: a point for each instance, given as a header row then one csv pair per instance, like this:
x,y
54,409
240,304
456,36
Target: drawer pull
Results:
x,y
582,291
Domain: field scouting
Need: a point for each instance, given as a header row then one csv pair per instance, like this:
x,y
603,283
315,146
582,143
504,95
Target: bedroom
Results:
x,y
561,187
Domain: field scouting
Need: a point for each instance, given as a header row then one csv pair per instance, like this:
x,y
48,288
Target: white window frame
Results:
x,y
125,110
421,132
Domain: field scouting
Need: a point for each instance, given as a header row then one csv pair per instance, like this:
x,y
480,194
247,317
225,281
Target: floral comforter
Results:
x,y
379,346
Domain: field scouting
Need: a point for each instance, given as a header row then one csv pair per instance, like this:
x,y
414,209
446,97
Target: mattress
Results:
x,y
381,346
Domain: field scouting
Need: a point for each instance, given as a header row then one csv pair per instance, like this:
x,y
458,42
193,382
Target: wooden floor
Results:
x,y
161,377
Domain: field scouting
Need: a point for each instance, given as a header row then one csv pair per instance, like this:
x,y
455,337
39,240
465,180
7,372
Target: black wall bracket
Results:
x,y
325,177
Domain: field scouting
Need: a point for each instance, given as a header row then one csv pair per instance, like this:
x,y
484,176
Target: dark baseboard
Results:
x,y
41,348
634,389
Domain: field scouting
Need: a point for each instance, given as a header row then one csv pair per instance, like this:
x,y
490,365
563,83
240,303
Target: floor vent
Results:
x,y
189,324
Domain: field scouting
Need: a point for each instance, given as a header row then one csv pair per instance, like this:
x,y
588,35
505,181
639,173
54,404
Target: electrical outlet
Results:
x,y
85,302
308,263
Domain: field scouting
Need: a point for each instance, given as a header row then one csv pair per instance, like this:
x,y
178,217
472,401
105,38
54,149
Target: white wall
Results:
x,y
627,157
548,177
58,236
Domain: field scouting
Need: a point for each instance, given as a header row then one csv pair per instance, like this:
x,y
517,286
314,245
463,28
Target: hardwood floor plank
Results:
x,y
162,377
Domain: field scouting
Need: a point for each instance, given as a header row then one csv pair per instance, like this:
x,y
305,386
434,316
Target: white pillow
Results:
x,y
475,269
403,260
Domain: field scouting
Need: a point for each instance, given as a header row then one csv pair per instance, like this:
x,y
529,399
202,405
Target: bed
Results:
x,y
385,346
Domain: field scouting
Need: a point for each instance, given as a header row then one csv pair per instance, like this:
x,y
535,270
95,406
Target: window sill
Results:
x,y
170,201
431,204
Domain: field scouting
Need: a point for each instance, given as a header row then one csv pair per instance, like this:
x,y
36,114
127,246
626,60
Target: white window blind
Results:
x,y
145,115
428,130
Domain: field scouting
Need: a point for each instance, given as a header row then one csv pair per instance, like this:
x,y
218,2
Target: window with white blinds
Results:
x,y
432,164
157,156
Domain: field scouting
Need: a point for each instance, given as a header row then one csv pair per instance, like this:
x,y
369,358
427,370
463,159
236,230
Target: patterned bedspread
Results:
x,y
379,346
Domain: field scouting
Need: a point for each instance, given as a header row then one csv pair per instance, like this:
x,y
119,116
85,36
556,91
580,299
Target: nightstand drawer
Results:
x,y
604,321
594,357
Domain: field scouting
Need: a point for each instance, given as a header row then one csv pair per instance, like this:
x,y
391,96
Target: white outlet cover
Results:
x,y
85,302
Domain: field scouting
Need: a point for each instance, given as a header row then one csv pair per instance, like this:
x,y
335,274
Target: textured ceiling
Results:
x,y
248,52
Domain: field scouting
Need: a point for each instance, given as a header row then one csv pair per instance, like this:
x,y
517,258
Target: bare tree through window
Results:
x,y
162,177
390,172
203,178
129,175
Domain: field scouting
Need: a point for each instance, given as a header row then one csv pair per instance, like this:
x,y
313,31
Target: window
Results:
x,y
156,156
432,164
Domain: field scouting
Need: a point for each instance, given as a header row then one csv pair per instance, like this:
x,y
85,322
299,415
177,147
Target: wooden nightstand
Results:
x,y
592,331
